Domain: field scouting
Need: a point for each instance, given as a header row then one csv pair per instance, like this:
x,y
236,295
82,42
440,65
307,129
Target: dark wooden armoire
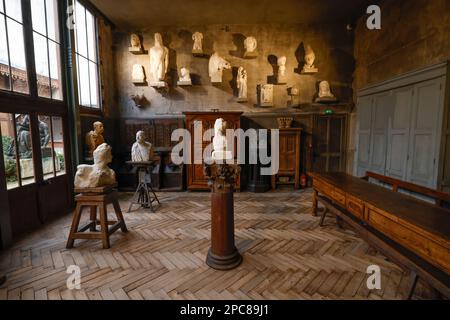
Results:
x,y
195,177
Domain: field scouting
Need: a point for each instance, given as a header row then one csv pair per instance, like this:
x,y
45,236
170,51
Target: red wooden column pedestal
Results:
x,y
223,254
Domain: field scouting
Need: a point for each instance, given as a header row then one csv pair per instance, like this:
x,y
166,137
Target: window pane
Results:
x,y
4,61
46,147
94,84
80,30
55,70
90,25
83,82
9,154
41,61
52,20
17,55
58,142
25,149
1,7
14,9
38,16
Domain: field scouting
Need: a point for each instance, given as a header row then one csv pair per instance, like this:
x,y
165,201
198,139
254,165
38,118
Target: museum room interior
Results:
x,y
224,150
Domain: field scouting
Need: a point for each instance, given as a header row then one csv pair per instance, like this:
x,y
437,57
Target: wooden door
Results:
x,y
398,136
424,138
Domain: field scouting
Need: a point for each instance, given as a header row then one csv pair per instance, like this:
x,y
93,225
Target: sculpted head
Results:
x,y
324,89
184,72
197,36
220,127
250,44
282,61
102,155
310,56
158,40
98,127
140,136
135,41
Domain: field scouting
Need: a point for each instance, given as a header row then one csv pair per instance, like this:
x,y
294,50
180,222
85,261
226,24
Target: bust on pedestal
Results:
x,y
223,254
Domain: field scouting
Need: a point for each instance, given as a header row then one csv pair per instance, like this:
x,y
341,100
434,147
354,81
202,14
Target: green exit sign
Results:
x,y
328,111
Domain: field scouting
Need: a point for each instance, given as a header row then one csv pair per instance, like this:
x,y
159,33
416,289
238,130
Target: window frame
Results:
x,y
85,110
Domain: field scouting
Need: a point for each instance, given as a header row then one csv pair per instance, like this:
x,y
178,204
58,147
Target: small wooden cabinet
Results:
x,y
289,171
196,180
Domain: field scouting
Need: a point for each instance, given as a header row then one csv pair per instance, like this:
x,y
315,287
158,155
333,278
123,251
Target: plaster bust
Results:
x,y
99,174
159,59
94,138
325,94
220,144
135,43
282,69
198,46
142,150
216,66
138,75
185,75
310,58
250,45
241,83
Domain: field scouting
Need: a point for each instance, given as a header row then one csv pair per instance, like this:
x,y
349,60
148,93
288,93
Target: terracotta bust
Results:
x,y
99,174
94,138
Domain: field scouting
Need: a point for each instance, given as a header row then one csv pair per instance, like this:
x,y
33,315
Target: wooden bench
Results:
x,y
413,233
441,199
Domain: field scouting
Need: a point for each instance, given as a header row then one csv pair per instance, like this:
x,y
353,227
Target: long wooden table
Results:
x,y
422,229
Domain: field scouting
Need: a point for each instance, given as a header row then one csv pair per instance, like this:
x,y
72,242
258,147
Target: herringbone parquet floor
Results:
x,y
286,256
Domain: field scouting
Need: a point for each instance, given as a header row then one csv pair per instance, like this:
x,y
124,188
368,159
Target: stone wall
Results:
x,y
414,34
333,46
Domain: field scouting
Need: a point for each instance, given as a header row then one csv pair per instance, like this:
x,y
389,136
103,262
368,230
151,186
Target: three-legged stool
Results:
x,y
97,200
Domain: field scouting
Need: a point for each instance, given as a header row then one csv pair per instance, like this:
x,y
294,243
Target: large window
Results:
x,y
46,41
86,56
13,66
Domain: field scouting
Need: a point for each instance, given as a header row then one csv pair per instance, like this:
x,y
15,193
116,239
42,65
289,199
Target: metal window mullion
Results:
x,y
29,49
87,48
16,148
48,50
7,47
53,146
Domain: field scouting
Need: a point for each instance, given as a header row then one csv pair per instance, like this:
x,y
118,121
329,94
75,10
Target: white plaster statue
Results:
x,y
159,62
94,138
266,95
185,77
135,43
220,141
198,45
310,57
281,78
241,83
250,45
325,94
138,75
99,174
216,66
142,150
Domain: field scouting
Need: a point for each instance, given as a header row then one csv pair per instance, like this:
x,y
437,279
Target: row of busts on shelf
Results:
x,y
159,61
99,174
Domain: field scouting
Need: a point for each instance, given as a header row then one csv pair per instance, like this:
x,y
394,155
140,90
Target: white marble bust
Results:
x,y
310,58
142,150
198,45
135,43
138,75
250,45
99,174
185,77
220,144
159,61
241,84
325,94
281,69
216,66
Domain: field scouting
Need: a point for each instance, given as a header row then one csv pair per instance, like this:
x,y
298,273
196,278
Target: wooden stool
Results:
x,y
94,198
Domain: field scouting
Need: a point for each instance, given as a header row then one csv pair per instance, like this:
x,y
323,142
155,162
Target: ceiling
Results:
x,y
140,14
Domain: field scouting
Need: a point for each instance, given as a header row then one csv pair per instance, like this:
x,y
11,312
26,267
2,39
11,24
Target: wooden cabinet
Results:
x,y
289,171
200,122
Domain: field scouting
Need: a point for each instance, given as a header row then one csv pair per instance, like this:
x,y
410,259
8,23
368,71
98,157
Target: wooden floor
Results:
x,y
286,256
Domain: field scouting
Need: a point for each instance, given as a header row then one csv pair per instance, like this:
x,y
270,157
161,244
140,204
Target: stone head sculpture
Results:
x,y
98,127
140,136
324,89
310,57
250,44
135,41
102,155
158,40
